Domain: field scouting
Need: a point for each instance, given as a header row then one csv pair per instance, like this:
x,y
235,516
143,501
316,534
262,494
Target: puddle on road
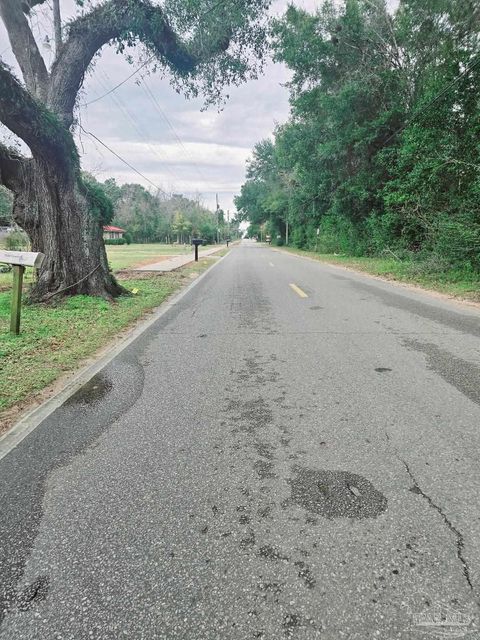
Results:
x,y
336,494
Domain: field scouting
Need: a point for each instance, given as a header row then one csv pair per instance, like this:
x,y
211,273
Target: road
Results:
x,y
265,461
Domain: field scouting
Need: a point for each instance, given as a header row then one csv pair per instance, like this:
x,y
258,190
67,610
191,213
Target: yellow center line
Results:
x,y
298,291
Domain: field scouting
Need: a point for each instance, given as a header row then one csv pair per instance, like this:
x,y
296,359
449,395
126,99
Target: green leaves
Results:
x,y
381,148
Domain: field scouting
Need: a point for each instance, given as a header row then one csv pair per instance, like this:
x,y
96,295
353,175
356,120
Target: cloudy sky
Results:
x,y
168,139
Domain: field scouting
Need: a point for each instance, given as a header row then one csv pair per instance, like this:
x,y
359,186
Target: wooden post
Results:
x,y
18,271
19,260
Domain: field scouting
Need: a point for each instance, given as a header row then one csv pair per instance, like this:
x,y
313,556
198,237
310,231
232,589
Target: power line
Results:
x,y
157,106
89,133
118,101
85,104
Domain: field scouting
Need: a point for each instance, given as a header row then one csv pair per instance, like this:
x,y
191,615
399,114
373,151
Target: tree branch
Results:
x,y
24,47
32,122
124,21
12,168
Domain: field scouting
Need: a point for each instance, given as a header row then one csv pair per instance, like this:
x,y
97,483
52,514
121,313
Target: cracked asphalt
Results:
x,y
258,464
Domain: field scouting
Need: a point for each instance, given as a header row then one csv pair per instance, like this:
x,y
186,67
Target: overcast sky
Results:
x,y
168,139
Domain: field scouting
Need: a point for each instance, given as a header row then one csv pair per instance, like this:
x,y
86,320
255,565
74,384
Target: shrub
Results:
x,y
116,241
457,240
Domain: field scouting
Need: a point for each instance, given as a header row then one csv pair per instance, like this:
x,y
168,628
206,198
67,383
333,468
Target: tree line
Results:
x,y
381,151
160,217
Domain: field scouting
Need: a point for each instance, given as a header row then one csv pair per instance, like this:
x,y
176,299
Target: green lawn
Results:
x,y
460,284
125,256
55,338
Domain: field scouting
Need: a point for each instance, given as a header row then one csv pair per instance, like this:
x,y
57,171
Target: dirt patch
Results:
x,y
126,274
145,263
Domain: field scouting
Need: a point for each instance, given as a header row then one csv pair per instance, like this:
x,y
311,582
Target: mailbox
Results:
x,y
18,260
197,242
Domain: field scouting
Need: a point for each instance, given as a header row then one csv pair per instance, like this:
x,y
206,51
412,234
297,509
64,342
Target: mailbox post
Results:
x,y
19,260
196,243
18,272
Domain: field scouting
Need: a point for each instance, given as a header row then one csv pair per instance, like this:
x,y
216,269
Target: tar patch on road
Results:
x,y
336,494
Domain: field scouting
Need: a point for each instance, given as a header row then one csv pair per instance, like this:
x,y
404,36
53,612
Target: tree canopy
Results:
x,y
381,149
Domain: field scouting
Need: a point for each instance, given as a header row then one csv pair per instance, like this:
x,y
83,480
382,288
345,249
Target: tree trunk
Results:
x,y
55,214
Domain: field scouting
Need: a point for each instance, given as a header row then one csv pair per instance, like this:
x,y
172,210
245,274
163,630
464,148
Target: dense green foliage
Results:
x,y
381,151
100,205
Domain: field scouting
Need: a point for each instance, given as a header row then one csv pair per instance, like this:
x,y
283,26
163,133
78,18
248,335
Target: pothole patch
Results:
x,y
336,494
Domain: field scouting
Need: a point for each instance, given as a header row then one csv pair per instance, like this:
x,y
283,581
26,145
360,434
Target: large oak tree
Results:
x,y
202,44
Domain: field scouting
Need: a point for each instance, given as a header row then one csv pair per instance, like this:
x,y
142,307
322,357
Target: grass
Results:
x,y
125,256
55,339
425,274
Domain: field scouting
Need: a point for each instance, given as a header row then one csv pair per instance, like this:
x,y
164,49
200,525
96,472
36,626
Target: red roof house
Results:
x,y
112,233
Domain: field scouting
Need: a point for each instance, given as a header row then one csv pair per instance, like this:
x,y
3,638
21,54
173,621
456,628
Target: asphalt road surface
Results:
x,y
292,451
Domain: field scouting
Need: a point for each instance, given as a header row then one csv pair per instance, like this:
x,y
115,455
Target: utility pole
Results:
x,y
218,220
57,23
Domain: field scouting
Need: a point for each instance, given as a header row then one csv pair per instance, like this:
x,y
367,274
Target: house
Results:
x,y
113,233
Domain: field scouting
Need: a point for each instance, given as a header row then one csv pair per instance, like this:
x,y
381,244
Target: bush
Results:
x,y
116,241
17,241
457,240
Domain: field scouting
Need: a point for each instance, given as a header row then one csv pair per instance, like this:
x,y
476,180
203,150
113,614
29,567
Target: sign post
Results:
x,y
19,260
